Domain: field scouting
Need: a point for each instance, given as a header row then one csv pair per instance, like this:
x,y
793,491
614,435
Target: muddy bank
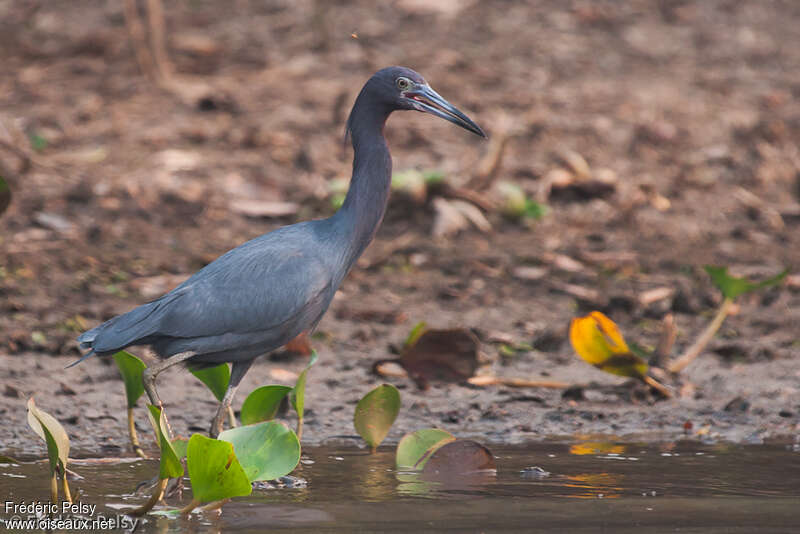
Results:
x,y
682,118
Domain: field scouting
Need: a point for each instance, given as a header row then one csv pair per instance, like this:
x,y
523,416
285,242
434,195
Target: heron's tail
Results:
x,y
119,332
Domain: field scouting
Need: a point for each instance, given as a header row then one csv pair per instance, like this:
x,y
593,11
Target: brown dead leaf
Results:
x,y
446,355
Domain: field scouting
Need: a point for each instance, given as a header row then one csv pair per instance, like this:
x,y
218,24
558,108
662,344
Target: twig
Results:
x,y
479,199
136,31
697,347
155,18
658,386
490,163
665,342
386,252
490,380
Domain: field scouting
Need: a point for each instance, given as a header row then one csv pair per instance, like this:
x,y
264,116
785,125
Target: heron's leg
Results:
x,y
149,379
237,373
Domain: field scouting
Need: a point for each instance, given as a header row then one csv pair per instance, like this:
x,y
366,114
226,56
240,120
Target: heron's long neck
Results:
x,y
363,208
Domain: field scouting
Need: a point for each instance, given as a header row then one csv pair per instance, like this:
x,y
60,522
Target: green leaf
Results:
x,y
266,451
179,445
535,210
170,465
415,448
38,143
131,368
375,414
731,286
214,470
262,404
415,333
215,378
297,396
433,177
5,195
50,430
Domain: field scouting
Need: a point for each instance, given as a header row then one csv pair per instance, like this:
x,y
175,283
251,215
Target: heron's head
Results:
x,y
400,88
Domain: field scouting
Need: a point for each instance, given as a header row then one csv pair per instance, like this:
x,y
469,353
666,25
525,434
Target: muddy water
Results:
x,y
592,486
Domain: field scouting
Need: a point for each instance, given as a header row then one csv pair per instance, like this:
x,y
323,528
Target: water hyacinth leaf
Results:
x,y
375,414
5,195
266,451
170,464
731,286
179,445
214,470
50,430
598,341
131,368
416,448
263,403
462,457
215,378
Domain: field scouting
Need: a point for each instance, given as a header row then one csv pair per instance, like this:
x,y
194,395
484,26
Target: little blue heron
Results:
x,y
262,294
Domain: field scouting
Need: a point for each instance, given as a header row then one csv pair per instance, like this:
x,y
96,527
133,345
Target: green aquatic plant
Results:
x,y
375,414
416,448
131,369
215,472
216,379
169,465
731,287
50,430
262,404
297,396
266,451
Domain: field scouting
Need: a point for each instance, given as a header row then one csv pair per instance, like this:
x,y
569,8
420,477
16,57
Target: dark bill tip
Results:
x,y
427,100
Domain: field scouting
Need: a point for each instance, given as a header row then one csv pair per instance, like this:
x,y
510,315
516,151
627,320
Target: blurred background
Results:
x,y
630,143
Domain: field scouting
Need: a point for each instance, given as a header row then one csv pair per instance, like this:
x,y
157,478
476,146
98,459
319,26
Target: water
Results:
x,y
592,487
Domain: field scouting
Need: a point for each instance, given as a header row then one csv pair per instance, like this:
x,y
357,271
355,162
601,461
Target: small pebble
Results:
x,y
534,472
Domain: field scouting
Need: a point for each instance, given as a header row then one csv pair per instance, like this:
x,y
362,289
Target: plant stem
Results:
x,y
137,449
697,347
53,488
216,505
185,511
154,498
65,485
299,428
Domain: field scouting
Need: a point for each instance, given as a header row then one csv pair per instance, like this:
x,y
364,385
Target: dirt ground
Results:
x,y
662,135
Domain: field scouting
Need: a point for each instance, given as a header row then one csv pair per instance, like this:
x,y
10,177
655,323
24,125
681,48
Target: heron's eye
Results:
x,y
403,83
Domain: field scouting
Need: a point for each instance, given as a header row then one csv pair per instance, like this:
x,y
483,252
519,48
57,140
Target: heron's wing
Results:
x,y
252,289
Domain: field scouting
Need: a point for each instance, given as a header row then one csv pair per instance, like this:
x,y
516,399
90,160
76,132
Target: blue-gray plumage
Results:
x,y
262,294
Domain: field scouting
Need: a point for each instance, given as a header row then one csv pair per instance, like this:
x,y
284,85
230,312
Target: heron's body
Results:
x,y
262,294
